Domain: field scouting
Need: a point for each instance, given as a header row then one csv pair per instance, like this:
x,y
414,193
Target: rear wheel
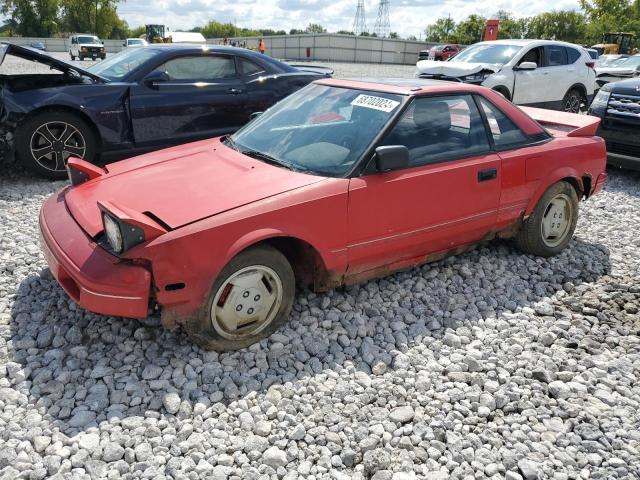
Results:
x,y
550,227
573,101
250,299
45,142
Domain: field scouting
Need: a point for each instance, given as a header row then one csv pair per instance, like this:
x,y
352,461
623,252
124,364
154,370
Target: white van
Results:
x,y
86,46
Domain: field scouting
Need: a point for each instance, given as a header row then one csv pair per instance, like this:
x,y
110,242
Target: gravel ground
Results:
x,y
491,364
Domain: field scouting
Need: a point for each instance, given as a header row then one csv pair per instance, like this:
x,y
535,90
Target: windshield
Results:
x,y
136,41
88,40
319,129
118,66
498,54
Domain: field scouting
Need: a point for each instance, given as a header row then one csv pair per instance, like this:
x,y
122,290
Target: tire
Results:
x,y
47,130
550,227
259,267
502,91
573,101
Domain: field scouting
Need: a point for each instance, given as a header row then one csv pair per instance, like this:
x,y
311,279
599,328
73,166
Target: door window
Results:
x,y
534,55
200,68
556,55
505,133
436,129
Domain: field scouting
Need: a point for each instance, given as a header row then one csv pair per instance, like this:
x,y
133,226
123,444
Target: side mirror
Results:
x,y
527,66
391,157
255,115
154,78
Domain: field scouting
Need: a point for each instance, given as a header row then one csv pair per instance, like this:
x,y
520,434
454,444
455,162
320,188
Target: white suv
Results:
x,y
540,73
86,46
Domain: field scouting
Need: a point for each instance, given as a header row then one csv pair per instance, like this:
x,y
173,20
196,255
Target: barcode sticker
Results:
x,y
377,103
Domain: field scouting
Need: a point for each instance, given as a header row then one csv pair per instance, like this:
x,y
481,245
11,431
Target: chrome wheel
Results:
x,y
247,302
52,143
557,220
573,103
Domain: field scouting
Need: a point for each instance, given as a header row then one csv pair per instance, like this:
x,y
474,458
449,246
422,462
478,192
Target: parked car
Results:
x,y
134,42
618,105
541,73
137,100
340,182
593,53
38,46
86,46
607,60
444,52
619,70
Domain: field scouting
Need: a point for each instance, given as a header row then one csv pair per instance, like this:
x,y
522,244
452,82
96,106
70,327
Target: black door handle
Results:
x,y
488,174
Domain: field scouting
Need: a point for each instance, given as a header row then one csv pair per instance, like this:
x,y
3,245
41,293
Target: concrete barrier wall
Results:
x,y
326,47
331,47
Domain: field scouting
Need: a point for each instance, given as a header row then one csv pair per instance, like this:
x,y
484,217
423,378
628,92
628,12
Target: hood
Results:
x,y
629,87
616,72
39,56
181,185
453,69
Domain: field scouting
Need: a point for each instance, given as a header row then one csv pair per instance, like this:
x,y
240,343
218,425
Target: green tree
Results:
x,y
315,28
93,16
295,31
565,25
394,35
33,18
470,30
441,31
137,32
510,27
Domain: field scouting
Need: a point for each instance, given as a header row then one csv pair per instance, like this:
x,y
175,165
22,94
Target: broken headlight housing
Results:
x,y
476,77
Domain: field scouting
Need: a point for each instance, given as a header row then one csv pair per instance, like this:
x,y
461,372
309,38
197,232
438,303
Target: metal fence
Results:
x,y
327,47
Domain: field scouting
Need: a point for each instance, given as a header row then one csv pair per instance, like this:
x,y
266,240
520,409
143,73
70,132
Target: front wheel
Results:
x,y
550,226
250,299
45,142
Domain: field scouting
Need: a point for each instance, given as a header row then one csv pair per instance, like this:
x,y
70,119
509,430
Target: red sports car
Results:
x,y
337,183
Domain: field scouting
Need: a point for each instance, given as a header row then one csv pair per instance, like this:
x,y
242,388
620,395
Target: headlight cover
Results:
x,y
476,77
112,232
600,102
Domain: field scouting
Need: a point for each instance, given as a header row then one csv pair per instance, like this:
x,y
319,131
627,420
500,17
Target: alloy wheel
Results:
x,y
556,221
52,143
246,302
573,104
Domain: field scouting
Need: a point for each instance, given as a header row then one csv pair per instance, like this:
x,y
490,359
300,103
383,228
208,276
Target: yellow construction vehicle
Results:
x,y
614,43
156,34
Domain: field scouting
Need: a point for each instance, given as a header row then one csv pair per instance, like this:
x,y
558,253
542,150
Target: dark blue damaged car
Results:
x,y
138,100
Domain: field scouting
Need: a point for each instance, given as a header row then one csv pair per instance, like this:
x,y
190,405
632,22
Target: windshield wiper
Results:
x,y
267,158
228,141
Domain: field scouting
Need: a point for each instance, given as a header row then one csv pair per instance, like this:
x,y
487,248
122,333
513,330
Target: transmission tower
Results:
x,y
383,24
360,22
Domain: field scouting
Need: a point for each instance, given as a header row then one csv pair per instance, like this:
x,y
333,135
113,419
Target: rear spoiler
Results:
x,y
575,125
314,69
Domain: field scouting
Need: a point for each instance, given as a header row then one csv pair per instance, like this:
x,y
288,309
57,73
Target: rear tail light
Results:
x,y
591,65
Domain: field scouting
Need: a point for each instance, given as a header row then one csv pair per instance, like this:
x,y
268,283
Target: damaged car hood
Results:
x,y
39,56
183,184
453,69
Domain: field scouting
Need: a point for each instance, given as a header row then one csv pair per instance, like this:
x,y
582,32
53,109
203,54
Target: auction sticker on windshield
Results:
x,y
377,103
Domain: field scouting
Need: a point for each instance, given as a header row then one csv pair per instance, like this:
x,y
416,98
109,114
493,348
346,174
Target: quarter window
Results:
x,y
249,68
437,129
505,133
200,68
573,55
556,55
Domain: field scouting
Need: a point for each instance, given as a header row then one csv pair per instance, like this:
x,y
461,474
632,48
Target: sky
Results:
x,y
408,17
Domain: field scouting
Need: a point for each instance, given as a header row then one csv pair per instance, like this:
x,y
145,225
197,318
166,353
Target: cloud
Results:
x,y
408,17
